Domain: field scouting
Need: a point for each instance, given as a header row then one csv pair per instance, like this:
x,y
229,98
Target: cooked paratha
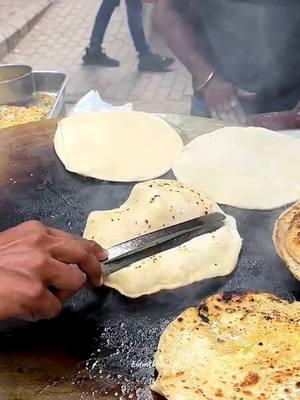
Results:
x,y
233,346
286,238
152,206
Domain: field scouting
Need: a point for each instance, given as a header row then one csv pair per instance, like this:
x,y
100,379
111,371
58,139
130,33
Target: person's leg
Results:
x,y
148,60
135,22
101,23
94,53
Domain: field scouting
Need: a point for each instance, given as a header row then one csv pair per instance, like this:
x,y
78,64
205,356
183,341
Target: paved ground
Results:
x,y
16,18
58,41
14,8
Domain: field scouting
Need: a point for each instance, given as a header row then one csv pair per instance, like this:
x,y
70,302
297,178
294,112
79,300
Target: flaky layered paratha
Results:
x,y
233,347
155,205
286,238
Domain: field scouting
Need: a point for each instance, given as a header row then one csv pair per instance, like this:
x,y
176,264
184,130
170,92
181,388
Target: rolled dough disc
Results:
x,y
154,205
252,168
119,146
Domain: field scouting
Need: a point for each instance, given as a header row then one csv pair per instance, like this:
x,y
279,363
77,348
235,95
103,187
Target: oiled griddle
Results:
x,y
103,328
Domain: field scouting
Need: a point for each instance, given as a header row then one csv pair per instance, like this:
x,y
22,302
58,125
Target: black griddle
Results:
x,y
105,331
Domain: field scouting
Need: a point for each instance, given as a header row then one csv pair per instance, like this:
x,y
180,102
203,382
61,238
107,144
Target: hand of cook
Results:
x,y
222,101
276,120
42,267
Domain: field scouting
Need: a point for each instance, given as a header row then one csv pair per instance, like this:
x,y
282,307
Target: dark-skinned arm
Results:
x,y
220,96
277,120
181,39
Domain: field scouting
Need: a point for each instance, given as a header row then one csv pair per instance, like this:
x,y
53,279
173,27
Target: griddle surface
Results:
x,y
100,328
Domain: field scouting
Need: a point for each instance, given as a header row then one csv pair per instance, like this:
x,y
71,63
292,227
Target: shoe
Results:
x,y
100,58
154,63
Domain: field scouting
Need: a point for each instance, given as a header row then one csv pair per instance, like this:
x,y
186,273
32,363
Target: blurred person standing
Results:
x,y
95,54
243,56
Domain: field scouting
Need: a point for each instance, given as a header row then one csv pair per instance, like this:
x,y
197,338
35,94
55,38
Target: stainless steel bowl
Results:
x,y
16,84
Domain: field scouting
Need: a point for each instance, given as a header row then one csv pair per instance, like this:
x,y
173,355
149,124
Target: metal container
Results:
x,y
53,83
16,84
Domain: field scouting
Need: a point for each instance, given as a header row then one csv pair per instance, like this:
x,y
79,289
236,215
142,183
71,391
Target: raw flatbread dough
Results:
x,y
286,238
250,168
232,347
152,206
122,146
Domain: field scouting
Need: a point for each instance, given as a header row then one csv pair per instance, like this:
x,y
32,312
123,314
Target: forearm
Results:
x,y
181,40
276,120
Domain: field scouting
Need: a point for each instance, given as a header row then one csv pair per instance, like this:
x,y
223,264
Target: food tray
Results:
x,y
54,83
47,101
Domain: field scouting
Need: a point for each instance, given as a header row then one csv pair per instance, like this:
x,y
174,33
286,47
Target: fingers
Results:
x,y
81,253
96,249
239,112
227,114
230,112
224,114
41,302
85,253
65,276
222,101
48,306
43,245
41,268
30,299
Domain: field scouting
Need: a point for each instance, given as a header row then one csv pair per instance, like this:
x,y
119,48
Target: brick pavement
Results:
x,y
16,19
58,41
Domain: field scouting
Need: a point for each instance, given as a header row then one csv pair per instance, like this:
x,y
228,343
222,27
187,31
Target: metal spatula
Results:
x,y
152,243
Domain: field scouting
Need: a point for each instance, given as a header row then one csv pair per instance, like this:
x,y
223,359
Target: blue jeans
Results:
x,y
198,107
134,10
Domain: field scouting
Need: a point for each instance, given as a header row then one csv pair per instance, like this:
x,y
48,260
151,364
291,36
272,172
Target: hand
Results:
x,y
222,101
41,267
276,120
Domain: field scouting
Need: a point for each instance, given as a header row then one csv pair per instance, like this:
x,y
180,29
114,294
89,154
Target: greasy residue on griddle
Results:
x,y
121,364
103,384
127,349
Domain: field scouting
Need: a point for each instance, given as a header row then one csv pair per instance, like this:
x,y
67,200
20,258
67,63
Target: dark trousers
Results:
x,y
135,21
